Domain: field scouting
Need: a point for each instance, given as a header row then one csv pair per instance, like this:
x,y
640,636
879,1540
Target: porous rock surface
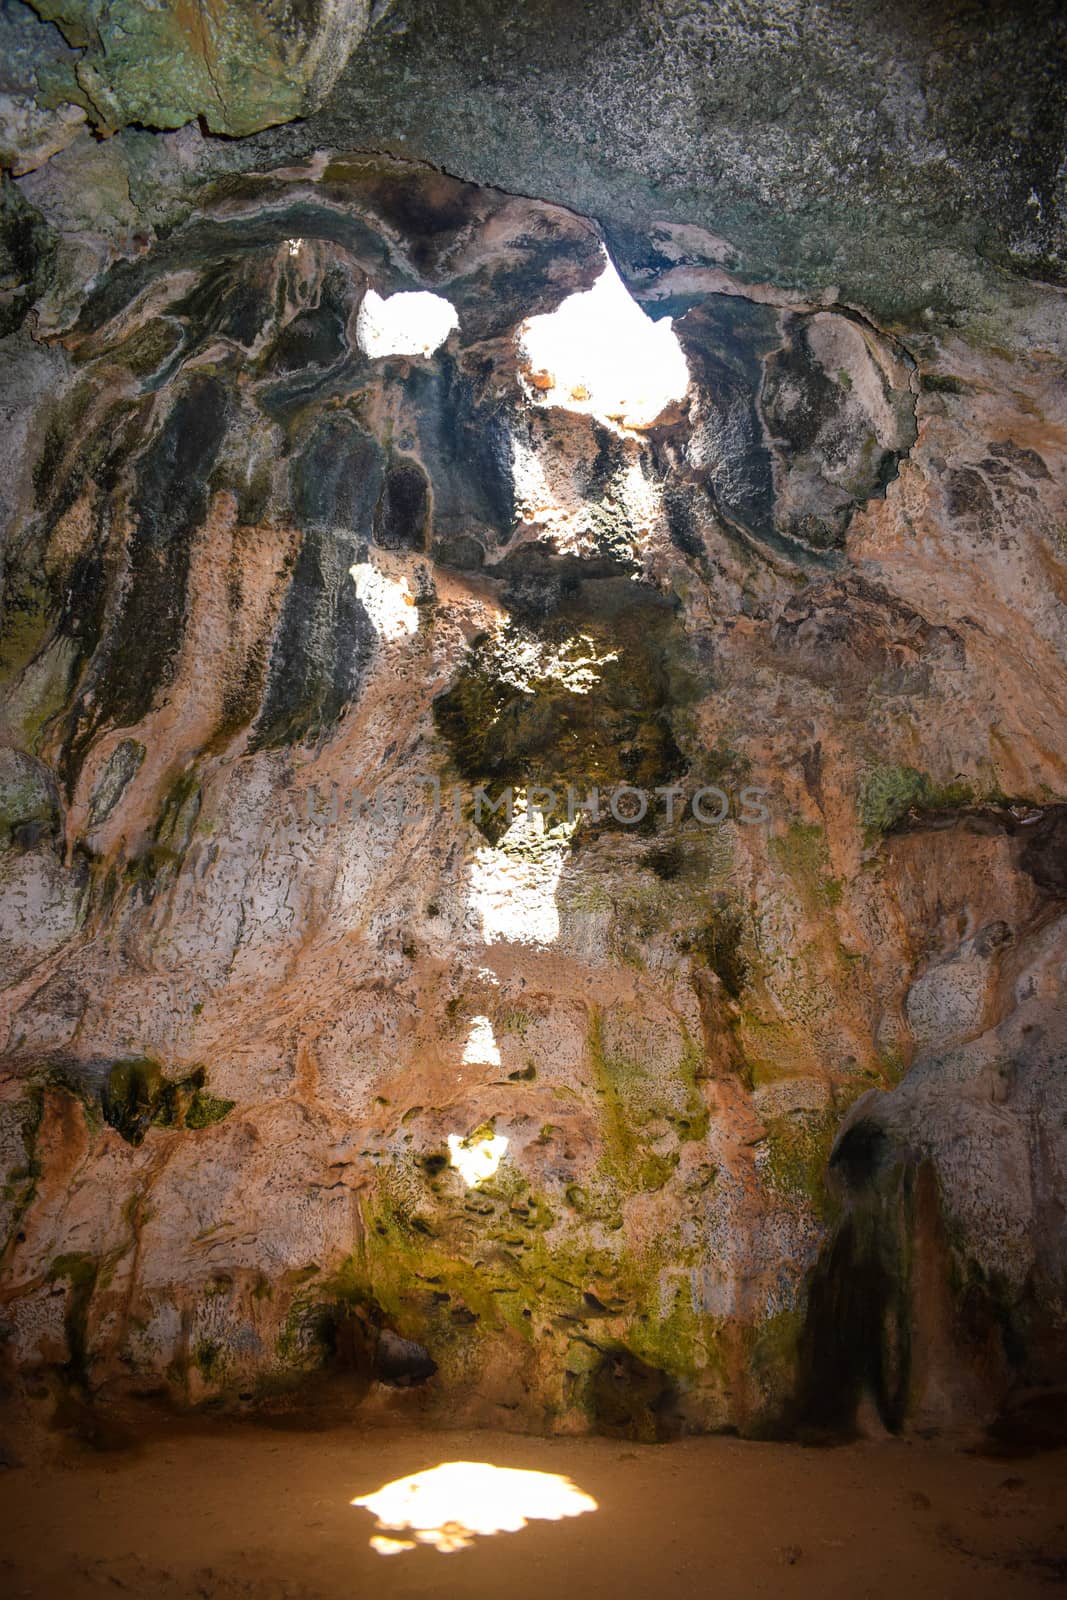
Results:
x,y
782,1092
237,67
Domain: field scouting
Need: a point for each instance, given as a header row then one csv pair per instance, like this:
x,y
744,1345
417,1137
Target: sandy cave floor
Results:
x,y
237,1510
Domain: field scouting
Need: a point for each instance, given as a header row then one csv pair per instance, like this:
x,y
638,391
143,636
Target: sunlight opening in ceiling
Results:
x,y
449,1506
476,1157
599,353
409,324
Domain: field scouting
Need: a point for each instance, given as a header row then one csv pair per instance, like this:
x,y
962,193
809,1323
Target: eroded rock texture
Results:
x,y
237,67
782,1092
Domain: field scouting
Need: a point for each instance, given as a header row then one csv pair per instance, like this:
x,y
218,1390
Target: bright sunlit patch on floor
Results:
x,y
476,1157
598,352
448,1506
387,601
481,1049
404,325
389,1547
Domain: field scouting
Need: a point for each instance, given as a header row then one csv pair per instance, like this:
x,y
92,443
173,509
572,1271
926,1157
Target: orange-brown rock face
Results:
x,y
338,1030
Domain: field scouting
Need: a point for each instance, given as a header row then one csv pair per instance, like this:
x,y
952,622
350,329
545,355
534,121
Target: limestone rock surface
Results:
x,y
742,1111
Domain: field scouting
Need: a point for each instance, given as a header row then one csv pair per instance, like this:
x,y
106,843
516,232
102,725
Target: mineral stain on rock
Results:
x,y
323,646
136,654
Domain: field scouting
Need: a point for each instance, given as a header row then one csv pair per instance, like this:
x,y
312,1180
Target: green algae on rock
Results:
x,y
139,1096
240,68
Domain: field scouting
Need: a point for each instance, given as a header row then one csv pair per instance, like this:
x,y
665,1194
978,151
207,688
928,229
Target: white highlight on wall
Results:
x,y
388,601
512,885
449,1506
408,324
481,1049
477,1157
599,353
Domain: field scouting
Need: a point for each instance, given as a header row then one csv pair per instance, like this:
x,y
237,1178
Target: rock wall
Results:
x,y
782,1090
74,64
903,157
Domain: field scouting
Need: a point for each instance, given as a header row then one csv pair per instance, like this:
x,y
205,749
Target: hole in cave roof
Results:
x,y
414,323
599,353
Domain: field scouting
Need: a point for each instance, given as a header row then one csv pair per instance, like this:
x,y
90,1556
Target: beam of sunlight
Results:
x,y
388,602
477,1156
481,1049
410,324
447,1507
599,353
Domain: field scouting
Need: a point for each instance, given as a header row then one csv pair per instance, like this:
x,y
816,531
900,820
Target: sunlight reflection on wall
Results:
x,y
449,1506
481,1049
388,601
513,883
476,1157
